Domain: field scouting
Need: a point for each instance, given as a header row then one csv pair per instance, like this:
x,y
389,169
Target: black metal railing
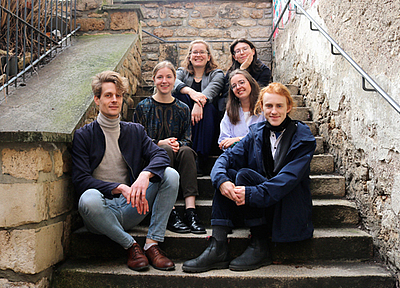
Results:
x,y
315,27
32,31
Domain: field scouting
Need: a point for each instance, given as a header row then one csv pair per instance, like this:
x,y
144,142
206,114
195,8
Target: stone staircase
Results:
x,y
339,255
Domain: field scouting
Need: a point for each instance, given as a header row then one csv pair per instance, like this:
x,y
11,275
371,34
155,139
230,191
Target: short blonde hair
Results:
x,y
109,77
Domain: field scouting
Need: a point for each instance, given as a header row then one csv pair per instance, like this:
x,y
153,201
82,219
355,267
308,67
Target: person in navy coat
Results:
x,y
264,179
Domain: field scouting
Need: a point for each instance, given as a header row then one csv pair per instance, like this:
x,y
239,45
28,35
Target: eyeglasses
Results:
x,y
243,50
199,52
239,84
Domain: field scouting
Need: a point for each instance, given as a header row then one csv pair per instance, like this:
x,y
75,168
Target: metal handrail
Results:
x,y
365,76
55,25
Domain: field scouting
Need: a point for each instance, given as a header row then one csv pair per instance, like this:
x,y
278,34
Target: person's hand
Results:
x,y
228,142
197,113
240,192
123,189
198,98
247,62
138,194
227,190
172,142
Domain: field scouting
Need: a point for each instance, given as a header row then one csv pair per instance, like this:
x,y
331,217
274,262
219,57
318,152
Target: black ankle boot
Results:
x,y
255,256
216,256
192,220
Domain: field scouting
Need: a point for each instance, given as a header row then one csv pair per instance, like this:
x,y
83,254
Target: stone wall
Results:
x,y
219,22
359,128
34,213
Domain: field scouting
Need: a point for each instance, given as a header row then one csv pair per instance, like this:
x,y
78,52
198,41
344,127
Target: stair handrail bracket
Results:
x,y
314,26
30,31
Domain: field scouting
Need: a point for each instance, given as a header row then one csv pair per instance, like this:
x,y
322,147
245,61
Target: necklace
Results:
x,y
198,78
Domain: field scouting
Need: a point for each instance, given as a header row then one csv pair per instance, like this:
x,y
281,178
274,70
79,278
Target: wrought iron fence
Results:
x,y
32,31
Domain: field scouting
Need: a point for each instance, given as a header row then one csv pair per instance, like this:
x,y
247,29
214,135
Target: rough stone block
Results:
x,y
212,33
179,13
153,23
185,32
163,32
26,164
42,283
91,24
58,163
258,14
198,23
259,32
247,23
124,21
207,11
171,23
59,197
31,251
219,23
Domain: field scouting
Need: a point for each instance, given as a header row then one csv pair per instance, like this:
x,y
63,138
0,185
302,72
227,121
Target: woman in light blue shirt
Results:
x,y
240,109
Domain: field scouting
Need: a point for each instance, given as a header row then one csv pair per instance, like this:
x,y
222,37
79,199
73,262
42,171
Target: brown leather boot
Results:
x,y
158,259
136,259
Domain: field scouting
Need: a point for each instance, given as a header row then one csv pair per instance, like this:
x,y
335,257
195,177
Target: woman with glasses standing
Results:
x,y
198,83
240,109
244,57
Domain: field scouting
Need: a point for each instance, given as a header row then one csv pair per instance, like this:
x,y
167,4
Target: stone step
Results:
x,y
298,101
326,245
322,186
326,212
300,113
114,273
313,127
322,164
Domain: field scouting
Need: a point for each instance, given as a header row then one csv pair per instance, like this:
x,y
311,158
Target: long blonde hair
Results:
x,y
211,64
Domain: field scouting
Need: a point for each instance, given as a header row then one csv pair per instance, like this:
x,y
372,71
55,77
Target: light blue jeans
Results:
x,y
112,217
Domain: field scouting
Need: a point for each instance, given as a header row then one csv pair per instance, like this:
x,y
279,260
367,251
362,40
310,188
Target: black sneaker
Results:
x,y
175,223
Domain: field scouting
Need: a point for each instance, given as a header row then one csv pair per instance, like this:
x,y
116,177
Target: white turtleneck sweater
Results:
x,y
112,167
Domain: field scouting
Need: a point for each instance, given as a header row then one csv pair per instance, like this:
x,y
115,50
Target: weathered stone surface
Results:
x,y
124,21
250,4
170,23
207,11
42,283
85,5
26,203
184,32
211,33
153,23
26,164
163,32
258,14
198,23
31,251
219,23
260,32
230,11
237,33
91,24
178,13
59,197
246,23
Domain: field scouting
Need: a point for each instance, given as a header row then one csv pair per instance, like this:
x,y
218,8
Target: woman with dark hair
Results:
x,y
197,83
264,180
240,109
244,57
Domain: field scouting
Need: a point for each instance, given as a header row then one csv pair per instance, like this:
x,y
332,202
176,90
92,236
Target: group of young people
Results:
x,y
262,174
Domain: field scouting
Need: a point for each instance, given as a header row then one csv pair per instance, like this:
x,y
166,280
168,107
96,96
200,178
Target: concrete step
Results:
x,y
322,186
326,212
115,273
326,245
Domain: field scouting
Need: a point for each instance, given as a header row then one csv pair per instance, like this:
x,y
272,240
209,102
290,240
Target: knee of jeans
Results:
x,y
90,201
171,176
